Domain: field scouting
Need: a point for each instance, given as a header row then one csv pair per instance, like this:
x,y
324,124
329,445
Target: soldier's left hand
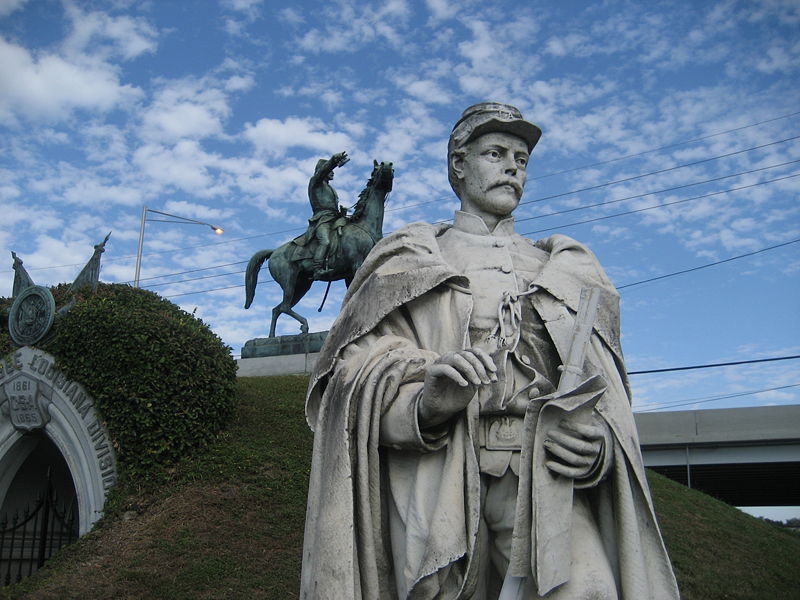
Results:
x,y
574,448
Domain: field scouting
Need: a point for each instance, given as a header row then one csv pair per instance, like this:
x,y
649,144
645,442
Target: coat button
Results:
x,y
505,269
525,359
499,243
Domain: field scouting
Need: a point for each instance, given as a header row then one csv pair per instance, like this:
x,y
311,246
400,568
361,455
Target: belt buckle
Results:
x,y
502,432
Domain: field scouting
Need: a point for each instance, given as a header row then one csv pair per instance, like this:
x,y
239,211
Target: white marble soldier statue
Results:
x,y
437,390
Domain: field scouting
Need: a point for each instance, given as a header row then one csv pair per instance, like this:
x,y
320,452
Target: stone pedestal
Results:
x,y
283,345
283,355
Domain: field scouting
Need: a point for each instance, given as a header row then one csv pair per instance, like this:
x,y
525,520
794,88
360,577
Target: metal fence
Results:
x,y
28,539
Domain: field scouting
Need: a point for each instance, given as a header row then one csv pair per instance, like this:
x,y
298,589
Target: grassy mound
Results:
x,y
229,524
162,380
719,552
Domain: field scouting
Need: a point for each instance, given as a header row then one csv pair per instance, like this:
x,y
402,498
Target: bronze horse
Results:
x,y
291,265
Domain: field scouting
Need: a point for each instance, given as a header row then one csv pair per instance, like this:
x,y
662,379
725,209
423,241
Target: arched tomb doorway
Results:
x,y
46,420
43,465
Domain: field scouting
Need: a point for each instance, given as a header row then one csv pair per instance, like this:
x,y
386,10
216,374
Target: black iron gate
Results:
x,y
27,540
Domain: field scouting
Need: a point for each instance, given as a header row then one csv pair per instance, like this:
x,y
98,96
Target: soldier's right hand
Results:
x,y
451,382
341,158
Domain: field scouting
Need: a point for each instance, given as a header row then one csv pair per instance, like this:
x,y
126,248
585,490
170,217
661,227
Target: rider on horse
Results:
x,y
325,204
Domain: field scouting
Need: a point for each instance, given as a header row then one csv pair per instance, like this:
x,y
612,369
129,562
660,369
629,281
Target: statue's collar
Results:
x,y
469,223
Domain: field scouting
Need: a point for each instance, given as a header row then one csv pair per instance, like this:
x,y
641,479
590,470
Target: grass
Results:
x,y
718,551
228,523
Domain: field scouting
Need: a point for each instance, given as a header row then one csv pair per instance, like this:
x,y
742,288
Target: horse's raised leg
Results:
x,y
299,318
282,309
285,310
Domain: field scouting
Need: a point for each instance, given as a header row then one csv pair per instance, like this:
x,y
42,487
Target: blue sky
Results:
x,y
218,111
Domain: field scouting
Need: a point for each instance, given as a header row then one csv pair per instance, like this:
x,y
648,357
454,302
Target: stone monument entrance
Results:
x,y
57,462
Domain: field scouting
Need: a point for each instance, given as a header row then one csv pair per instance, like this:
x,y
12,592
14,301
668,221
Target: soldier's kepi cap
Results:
x,y
489,117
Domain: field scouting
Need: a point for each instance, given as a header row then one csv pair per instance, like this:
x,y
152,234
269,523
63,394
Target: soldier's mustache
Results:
x,y
517,187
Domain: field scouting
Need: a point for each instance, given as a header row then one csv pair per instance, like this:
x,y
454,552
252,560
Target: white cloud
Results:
x,y
404,132
22,216
239,83
331,91
424,90
292,16
48,86
72,248
264,186
274,137
9,192
787,12
98,195
778,57
496,57
245,13
185,109
105,144
184,165
442,10
199,212
350,26
572,44
98,34
9,6
244,6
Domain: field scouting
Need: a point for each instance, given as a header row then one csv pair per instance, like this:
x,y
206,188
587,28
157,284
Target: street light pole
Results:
x,y
139,249
183,220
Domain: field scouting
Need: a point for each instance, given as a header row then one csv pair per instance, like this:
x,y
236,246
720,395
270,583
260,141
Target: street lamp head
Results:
x,y
218,230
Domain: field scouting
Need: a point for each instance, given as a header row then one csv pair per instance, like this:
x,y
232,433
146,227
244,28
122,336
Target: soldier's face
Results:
x,y
492,174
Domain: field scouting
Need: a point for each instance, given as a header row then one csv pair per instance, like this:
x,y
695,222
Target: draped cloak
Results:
x,y
406,307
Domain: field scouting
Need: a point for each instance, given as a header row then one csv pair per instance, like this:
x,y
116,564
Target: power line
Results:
x,y
700,139
241,262
659,406
156,252
231,241
672,189
638,210
572,210
621,158
691,164
719,262
598,186
294,229
627,285
577,209
624,180
230,287
194,279
714,365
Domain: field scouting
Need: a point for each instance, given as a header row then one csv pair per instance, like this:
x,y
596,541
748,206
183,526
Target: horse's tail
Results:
x,y
251,276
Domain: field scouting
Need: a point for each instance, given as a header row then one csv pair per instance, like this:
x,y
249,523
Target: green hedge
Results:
x,y
162,380
6,345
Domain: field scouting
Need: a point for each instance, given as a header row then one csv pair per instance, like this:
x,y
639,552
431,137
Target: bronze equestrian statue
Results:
x,y
294,264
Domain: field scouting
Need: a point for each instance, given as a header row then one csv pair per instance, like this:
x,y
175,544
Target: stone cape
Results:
x,y
346,553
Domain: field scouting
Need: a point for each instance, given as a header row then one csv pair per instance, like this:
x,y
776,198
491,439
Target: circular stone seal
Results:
x,y
31,315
